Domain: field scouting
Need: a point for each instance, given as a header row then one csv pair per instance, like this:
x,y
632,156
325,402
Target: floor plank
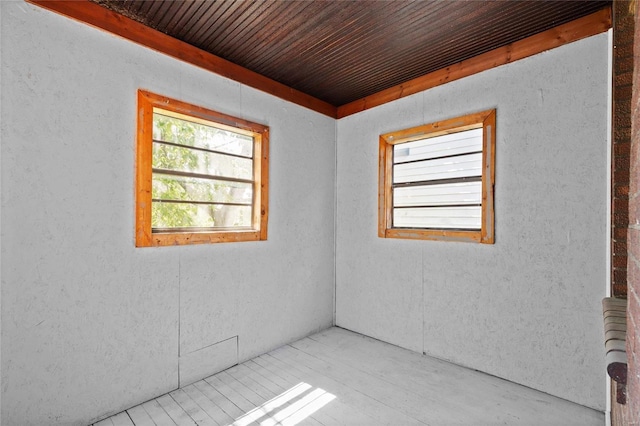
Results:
x,y
428,409
337,410
231,394
157,414
382,414
214,411
337,377
280,399
175,411
140,416
228,408
122,419
245,372
482,395
191,407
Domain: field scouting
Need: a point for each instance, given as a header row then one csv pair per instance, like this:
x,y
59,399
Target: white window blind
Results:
x,y
437,182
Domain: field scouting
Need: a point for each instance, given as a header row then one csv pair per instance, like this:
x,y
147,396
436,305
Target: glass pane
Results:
x,y
183,132
173,215
180,215
438,217
171,157
438,195
167,187
443,168
232,216
440,146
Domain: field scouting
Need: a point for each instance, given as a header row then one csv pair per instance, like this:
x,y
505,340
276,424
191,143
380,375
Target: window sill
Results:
x,y
188,238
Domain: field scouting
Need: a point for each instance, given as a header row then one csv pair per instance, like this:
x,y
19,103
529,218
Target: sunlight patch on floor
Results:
x,y
293,413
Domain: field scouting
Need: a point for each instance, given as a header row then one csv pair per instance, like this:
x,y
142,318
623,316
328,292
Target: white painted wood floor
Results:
x,y
337,377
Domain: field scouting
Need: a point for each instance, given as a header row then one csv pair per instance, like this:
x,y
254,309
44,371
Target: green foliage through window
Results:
x,y
202,175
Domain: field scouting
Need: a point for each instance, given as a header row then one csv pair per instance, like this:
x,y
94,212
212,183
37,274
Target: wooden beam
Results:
x,y
105,19
589,25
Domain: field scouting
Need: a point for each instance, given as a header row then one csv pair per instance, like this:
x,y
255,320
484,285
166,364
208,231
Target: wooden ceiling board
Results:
x,y
342,51
252,47
206,16
351,51
392,52
238,45
255,50
226,20
149,8
243,29
292,37
463,44
183,18
172,16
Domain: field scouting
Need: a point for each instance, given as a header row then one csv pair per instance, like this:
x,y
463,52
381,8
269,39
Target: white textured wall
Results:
x,y
90,324
527,308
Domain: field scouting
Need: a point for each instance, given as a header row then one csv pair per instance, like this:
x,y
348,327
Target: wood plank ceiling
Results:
x,y
342,51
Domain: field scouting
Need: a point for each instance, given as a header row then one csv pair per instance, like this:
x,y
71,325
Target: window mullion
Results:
x,y
197,148
200,175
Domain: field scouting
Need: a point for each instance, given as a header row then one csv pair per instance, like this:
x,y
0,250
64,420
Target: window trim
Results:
x,y
145,237
484,119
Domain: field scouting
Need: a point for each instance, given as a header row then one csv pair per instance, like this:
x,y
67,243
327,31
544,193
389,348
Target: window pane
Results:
x,y
180,215
438,195
438,217
440,146
168,187
169,215
175,130
170,157
443,168
227,216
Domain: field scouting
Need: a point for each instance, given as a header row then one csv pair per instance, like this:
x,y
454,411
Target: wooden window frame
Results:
x,y
145,237
485,120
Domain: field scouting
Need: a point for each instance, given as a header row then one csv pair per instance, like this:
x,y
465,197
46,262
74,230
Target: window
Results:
x,y
436,180
201,176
